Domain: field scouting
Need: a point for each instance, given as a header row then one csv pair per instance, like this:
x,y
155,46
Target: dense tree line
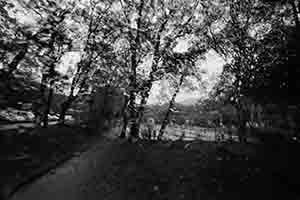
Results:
x,y
130,45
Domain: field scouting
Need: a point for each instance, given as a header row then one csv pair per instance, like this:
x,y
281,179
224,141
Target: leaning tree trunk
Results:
x,y
166,119
13,65
154,68
147,88
169,111
149,83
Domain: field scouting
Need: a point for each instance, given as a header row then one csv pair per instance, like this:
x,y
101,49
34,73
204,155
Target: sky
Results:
x,y
213,64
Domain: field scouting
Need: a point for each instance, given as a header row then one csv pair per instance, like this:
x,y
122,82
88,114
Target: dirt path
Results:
x,y
71,180
119,170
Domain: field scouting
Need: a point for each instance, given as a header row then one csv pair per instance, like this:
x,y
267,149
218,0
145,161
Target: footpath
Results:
x,y
27,153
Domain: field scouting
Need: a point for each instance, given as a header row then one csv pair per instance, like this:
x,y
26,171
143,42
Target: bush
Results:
x,y
271,135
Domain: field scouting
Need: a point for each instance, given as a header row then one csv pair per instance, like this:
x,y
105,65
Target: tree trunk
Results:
x,y
146,92
124,127
141,109
42,100
63,112
48,104
241,124
134,129
134,132
171,105
13,65
138,115
149,83
67,104
64,108
166,119
125,118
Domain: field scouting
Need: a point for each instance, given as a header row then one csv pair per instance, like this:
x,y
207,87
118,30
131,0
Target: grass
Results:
x,y
164,170
206,170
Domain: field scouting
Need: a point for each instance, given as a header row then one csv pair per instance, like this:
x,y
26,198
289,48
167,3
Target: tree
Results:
x,y
150,30
184,66
97,47
254,37
39,43
7,34
56,43
20,37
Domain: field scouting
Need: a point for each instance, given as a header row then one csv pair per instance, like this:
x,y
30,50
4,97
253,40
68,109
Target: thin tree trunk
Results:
x,y
166,119
124,127
134,129
48,104
63,112
67,104
42,99
241,123
125,118
48,99
146,92
171,105
64,108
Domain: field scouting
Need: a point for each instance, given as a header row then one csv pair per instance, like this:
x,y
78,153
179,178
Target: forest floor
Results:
x,y
115,169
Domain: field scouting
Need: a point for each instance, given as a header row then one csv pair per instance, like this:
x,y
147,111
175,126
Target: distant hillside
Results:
x,y
193,113
190,101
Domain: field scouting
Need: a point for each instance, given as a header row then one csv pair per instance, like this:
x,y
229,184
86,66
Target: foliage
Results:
x,y
130,45
258,40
